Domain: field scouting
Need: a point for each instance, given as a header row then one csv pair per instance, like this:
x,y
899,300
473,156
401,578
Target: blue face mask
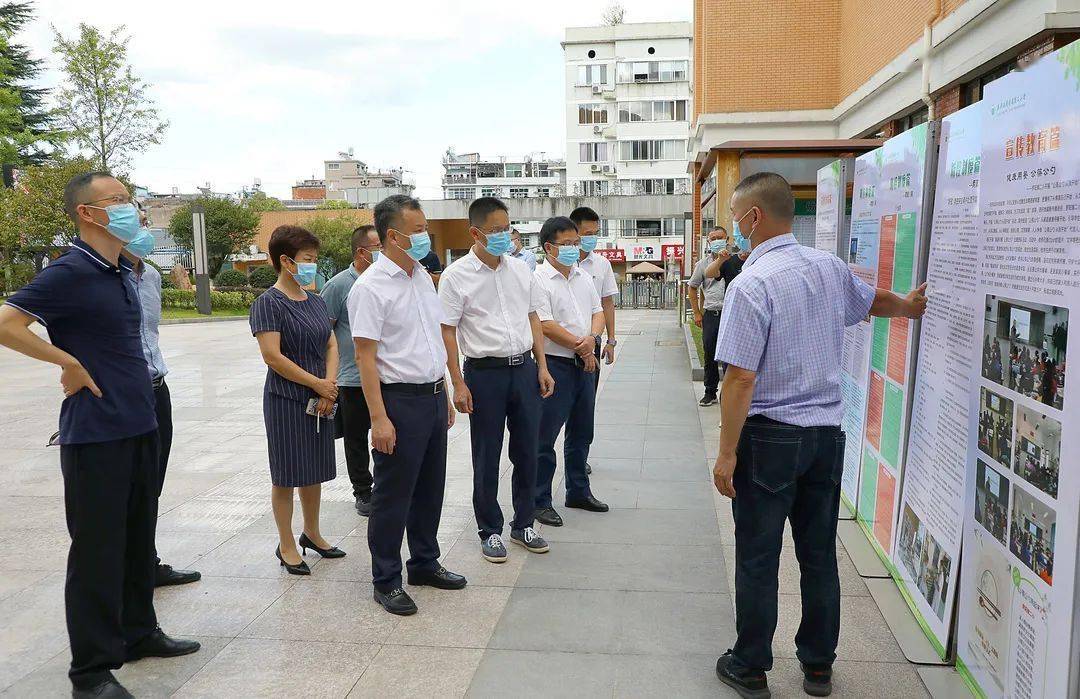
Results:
x,y
741,241
499,243
715,246
375,255
305,273
420,246
588,243
143,244
568,254
123,220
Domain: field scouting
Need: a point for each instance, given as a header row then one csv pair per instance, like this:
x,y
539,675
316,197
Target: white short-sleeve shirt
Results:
x,y
489,307
569,301
403,314
599,268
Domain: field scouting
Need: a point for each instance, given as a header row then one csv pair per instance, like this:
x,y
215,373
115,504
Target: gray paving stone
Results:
x,y
322,610
561,675
216,606
680,527
447,672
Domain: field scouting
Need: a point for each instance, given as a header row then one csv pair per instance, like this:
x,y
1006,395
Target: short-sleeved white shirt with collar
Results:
x,y
569,301
489,307
403,314
603,277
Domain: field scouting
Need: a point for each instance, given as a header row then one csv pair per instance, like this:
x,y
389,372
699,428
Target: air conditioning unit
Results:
x,y
597,89
598,129
596,168
606,169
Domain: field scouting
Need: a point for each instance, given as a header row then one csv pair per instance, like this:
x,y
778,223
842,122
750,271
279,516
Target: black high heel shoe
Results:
x,y
332,552
299,569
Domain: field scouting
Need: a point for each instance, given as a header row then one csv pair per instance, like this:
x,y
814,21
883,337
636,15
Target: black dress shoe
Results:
x,y
300,568
363,504
548,516
587,503
397,601
167,575
440,578
158,645
109,689
332,552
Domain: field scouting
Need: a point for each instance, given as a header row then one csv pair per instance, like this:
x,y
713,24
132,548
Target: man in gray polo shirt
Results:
x,y
707,311
353,419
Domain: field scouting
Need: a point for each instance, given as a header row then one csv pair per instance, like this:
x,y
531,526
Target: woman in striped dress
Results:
x,y
293,330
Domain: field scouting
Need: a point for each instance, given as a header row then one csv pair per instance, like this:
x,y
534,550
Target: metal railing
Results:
x,y
648,293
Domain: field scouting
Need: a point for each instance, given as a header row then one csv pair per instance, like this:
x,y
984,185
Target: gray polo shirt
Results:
x,y
147,284
713,286
335,293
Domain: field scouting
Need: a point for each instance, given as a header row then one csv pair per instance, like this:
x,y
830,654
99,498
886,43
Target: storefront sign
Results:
x,y
611,254
671,252
642,253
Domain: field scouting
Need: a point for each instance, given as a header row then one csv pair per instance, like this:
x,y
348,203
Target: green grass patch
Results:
x,y
696,332
174,313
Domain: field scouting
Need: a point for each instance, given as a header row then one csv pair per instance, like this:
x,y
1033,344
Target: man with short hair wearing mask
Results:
x,y
353,420
146,282
781,452
488,299
571,317
108,435
395,316
520,252
710,287
599,269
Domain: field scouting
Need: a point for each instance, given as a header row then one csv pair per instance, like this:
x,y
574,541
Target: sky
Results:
x,y
269,90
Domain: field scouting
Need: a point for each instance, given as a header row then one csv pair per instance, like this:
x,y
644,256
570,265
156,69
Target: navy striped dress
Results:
x,y
301,446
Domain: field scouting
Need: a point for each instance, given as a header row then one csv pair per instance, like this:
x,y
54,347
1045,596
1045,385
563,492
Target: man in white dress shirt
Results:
x,y
395,316
599,269
571,317
487,296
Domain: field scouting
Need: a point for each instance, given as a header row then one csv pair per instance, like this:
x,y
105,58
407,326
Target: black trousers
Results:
x,y
571,405
786,472
163,409
710,328
503,397
354,428
408,492
110,497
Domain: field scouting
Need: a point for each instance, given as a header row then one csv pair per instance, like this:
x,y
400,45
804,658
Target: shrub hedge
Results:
x,y
225,300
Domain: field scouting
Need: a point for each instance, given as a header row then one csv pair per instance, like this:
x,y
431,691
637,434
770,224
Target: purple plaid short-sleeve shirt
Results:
x,y
784,318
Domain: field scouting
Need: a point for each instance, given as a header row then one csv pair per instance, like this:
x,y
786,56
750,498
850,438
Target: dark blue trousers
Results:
x,y
786,472
503,397
408,492
571,405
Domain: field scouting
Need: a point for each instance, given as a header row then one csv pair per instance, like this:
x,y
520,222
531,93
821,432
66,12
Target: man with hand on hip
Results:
x,y
707,284
781,447
571,318
488,297
395,316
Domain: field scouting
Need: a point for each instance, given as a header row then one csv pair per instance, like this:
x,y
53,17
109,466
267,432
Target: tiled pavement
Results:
x,y
635,602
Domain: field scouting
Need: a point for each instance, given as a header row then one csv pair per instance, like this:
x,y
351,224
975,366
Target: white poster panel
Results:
x,y
861,256
932,496
830,206
1017,585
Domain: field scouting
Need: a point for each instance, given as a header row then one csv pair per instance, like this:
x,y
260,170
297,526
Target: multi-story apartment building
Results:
x,y
628,110
468,176
352,180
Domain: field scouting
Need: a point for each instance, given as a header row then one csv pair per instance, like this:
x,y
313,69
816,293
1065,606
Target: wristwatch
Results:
x,y
612,341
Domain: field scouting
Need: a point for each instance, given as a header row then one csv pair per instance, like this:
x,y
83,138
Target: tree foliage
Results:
x,y
106,108
262,277
229,227
27,133
258,201
335,242
614,14
333,204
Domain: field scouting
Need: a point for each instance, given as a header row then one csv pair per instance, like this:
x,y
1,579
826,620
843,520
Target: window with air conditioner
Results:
x,y
593,152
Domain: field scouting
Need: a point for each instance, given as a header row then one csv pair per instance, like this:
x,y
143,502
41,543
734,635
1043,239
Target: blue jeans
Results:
x,y
786,472
571,405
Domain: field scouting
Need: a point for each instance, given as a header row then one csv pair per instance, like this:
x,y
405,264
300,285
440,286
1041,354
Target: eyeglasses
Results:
x,y
115,199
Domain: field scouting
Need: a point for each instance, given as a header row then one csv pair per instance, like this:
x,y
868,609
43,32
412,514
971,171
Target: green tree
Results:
x,y
27,133
106,108
335,241
333,204
229,227
258,201
33,223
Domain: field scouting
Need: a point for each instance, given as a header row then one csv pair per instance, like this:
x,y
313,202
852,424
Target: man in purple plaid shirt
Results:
x,y
781,447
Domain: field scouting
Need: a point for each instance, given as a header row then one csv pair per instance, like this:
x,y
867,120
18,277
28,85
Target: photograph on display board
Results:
x,y
1031,534
929,565
992,500
995,426
1038,449
1024,347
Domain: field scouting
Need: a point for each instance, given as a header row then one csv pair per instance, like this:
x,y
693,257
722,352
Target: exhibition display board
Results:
x,y
862,258
1017,593
932,498
830,206
905,162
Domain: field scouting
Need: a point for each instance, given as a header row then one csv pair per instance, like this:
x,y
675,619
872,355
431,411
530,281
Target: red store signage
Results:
x,y
671,252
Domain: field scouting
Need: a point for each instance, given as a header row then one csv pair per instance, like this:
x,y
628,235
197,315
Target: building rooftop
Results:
x,y
640,30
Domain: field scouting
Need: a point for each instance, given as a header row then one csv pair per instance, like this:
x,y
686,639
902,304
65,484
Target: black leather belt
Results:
x,y
575,360
497,362
416,389
712,310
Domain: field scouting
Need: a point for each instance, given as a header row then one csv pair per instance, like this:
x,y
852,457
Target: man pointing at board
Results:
x,y
781,447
